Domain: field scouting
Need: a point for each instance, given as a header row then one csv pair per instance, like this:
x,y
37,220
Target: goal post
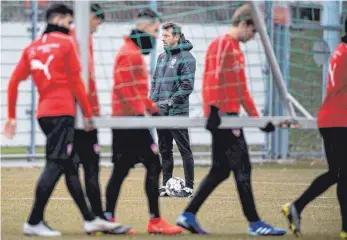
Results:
x,y
81,17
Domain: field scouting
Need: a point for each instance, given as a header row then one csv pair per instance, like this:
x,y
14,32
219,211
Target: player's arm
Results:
x,y
77,84
186,75
93,95
20,73
245,96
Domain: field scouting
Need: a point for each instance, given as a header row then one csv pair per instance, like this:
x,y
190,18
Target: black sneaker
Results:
x,y
162,192
185,193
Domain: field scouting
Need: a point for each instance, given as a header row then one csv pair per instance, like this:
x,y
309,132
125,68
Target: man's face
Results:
x,y
94,23
247,32
152,29
64,21
169,39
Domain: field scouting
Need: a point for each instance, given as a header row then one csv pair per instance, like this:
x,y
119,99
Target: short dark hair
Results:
x,y
176,29
150,14
58,8
243,13
98,11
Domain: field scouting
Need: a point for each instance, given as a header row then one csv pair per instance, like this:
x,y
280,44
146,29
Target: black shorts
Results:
x,y
229,149
133,146
86,147
60,134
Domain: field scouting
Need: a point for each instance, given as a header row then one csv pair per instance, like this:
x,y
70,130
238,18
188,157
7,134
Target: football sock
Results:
x,y
206,187
152,186
317,187
113,188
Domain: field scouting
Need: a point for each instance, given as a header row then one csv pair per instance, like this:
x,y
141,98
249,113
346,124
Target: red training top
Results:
x,y
224,80
130,89
53,62
333,111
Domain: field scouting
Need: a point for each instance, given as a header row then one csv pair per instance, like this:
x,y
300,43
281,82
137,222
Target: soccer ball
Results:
x,y
174,186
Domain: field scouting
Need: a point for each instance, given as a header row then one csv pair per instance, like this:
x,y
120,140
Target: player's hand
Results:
x,y
289,124
268,128
89,124
10,128
213,120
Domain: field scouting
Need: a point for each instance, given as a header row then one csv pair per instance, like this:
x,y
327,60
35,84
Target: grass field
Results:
x,y
221,214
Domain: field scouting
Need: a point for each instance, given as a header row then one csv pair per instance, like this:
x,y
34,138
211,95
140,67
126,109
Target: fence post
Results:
x,y
275,95
269,83
153,5
32,147
285,67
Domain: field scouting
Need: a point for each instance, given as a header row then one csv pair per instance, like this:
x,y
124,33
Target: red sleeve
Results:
x,y
126,85
93,94
151,107
211,82
245,97
21,72
77,85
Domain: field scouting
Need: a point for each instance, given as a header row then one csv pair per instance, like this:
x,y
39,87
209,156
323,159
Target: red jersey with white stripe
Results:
x,y
224,80
130,89
333,111
53,63
92,93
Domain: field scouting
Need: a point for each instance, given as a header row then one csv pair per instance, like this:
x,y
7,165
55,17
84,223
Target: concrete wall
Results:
x,y
15,36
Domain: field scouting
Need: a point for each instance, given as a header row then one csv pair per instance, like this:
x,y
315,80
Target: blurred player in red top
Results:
x,y
86,145
130,98
332,124
224,91
53,63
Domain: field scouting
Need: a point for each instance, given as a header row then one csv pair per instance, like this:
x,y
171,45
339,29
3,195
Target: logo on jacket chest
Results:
x,y
172,63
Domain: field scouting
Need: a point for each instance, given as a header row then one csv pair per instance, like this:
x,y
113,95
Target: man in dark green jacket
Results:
x,y
173,82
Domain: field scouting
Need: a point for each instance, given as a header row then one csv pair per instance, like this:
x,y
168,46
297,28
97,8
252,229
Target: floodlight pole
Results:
x,y
260,26
82,11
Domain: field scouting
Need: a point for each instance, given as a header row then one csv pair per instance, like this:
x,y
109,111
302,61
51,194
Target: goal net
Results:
x,y
294,30
201,23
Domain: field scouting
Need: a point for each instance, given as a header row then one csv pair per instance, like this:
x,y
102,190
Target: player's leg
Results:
x,y
239,160
181,137
44,188
293,210
59,132
165,140
150,159
122,162
241,165
91,223
46,183
219,171
340,136
87,148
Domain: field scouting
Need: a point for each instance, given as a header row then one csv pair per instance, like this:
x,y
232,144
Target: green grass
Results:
x,y
221,214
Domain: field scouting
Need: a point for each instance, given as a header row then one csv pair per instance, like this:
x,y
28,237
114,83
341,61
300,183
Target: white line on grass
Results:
x,y
135,198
